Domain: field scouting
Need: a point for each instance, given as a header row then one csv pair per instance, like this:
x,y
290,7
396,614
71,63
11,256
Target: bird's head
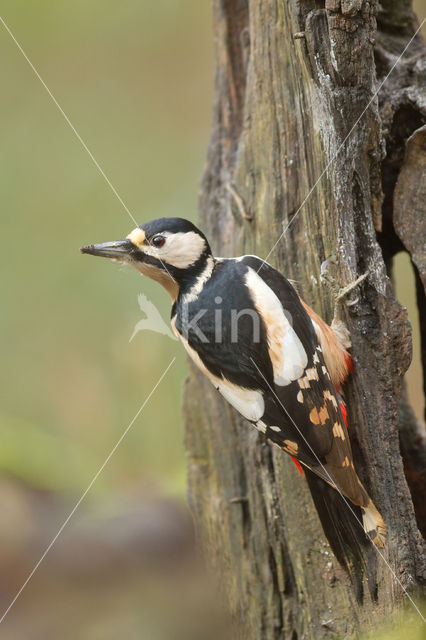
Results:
x,y
171,251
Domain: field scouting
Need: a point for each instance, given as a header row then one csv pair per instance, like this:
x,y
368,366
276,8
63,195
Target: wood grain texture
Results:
x,y
282,141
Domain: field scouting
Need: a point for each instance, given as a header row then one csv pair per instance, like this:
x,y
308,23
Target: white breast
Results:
x,y
248,402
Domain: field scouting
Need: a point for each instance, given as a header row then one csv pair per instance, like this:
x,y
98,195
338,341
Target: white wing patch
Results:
x,y
286,351
248,402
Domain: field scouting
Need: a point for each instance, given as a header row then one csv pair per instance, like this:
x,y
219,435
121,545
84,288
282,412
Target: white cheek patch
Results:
x,y
180,249
286,351
248,402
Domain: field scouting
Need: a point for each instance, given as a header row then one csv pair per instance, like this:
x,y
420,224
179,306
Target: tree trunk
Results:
x,y
300,139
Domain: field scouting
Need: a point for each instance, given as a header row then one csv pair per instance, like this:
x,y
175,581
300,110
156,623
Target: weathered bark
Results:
x,y
282,151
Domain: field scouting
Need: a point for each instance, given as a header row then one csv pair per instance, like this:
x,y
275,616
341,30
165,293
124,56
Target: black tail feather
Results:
x,y
342,524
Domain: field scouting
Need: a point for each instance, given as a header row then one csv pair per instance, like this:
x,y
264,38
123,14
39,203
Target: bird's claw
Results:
x,y
326,277
345,291
341,294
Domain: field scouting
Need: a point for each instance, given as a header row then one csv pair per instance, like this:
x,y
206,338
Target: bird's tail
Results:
x,y
374,525
343,524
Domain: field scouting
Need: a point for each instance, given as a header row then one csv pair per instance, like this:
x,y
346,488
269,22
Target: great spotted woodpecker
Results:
x,y
270,356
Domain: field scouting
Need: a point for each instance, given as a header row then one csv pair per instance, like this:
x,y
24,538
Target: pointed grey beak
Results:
x,y
119,250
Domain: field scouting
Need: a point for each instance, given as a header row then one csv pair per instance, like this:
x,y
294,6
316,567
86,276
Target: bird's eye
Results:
x,y
158,241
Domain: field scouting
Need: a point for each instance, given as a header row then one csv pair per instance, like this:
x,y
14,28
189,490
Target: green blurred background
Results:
x,y
136,80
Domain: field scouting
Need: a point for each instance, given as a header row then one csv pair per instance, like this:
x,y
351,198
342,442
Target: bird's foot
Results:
x,y
345,291
342,296
326,276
